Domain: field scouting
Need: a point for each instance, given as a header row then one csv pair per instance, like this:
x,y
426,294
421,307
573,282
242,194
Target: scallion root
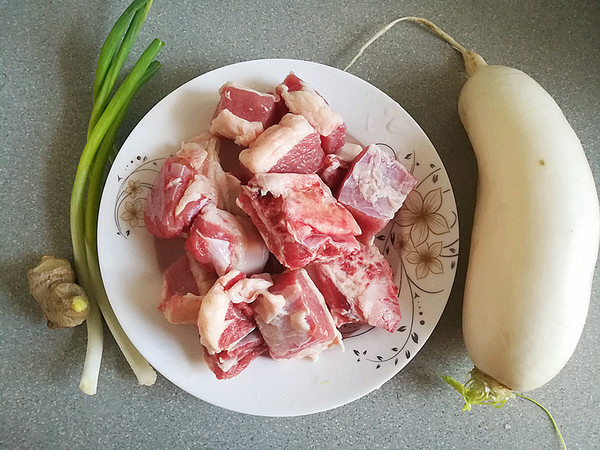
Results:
x,y
93,356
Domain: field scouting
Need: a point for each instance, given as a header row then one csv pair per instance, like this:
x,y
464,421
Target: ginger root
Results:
x,y
52,284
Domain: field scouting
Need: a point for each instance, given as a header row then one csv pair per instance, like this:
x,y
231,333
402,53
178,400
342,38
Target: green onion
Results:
x,y
144,373
111,45
102,96
107,115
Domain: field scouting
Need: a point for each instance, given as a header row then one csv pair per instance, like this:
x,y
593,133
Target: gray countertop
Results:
x,y
47,61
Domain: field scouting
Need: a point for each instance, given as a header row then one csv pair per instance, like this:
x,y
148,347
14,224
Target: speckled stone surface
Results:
x,y
47,60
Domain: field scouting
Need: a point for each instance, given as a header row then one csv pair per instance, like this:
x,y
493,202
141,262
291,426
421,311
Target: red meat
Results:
x,y
185,283
374,190
225,185
293,318
225,317
221,242
230,363
335,139
359,289
290,146
243,113
182,309
333,171
178,194
335,165
186,183
299,219
301,99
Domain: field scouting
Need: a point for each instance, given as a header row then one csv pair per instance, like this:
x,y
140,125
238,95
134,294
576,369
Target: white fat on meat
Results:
x,y
221,256
211,317
213,310
233,84
243,113
375,184
185,284
308,103
253,252
283,185
204,279
227,364
275,184
198,149
275,142
202,154
242,131
200,188
174,182
268,306
298,321
228,189
348,152
226,241
226,186
300,326
248,289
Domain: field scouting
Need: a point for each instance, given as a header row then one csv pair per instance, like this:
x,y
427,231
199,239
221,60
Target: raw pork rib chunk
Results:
x,y
299,219
186,183
301,99
185,282
290,146
243,113
293,317
178,194
221,242
374,190
228,364
225,317
359,289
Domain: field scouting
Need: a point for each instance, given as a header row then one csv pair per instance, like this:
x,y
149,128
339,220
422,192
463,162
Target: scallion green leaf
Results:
x,y
112,44
116,64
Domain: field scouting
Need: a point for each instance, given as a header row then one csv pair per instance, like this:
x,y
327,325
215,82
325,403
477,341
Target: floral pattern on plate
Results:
x,y
421,243
132,193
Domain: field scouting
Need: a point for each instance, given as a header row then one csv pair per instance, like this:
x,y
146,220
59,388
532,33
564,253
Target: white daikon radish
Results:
x,y
535,233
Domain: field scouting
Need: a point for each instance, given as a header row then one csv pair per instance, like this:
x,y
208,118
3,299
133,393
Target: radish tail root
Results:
x,y
562,441
472,60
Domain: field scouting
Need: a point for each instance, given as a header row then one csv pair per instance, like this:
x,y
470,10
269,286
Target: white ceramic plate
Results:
x,y
424,233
